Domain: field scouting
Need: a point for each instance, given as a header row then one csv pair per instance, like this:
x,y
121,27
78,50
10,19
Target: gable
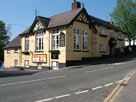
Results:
x,y
38,26
82,17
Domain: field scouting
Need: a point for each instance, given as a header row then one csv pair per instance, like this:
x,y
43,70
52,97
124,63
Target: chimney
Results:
x,y
76,5
111,21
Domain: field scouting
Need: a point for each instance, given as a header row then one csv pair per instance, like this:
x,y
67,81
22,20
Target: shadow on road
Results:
x,y
15,73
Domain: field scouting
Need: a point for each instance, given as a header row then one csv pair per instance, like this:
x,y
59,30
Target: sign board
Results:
x,y
39,58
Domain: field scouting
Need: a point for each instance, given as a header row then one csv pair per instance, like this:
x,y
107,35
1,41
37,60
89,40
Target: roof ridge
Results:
x,y
65,12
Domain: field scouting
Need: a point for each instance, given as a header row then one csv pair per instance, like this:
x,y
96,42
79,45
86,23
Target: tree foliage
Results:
x,y
124,15
4,39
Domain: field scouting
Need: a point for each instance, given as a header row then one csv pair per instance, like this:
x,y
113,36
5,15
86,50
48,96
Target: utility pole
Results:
x,y
35,12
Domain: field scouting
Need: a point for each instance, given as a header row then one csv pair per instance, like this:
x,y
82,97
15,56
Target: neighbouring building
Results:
x,y
62,40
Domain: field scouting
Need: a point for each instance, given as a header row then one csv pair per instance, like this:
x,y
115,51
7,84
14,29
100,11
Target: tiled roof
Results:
x,y
64,18
15,43
101,22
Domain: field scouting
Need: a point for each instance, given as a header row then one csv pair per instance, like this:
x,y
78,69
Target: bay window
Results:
x,y
39,41
85,41
76,39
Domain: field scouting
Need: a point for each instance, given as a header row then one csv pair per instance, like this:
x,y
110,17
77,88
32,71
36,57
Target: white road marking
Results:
x,y
36,80
97,88
99,69
108,84
45,100
119,81
80,92
62,96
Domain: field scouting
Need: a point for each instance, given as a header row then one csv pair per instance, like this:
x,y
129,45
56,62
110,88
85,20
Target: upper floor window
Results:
x,y
8,51
76,39
101,31
112,35
16,51
39,41
55,39
26,43
102,47
85,41
119,36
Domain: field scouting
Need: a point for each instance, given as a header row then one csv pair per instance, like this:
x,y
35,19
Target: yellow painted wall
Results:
x,y
9,58
75,55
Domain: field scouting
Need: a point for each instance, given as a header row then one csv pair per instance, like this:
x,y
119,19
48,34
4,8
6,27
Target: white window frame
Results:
x,y
15,62
85,40
112,35
27,65
102,47
26,43
76,39
55,41
8,51
39,41
119,36
16,51
101,31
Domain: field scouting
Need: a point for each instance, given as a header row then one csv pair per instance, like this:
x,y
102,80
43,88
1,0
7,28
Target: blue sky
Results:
x,y
20,14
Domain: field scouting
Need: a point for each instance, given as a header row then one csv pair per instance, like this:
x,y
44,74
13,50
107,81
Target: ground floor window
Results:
x,y
55,65
102,47
15,62
26,63
39,65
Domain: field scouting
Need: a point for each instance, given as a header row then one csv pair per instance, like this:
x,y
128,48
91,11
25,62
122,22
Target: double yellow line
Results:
x,y
119,87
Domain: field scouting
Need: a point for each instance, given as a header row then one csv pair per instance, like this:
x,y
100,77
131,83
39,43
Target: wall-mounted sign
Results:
x,y
62,39
39,58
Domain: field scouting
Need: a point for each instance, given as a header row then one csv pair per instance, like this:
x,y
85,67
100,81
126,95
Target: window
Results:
x,y
119,36
26,43
76,39
101,31
15,62
55,39
39,41
26,63
16,51
85,41
102,47
8,51
112,35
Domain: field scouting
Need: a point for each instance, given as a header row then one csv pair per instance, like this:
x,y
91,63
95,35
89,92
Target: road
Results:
x,y
92,83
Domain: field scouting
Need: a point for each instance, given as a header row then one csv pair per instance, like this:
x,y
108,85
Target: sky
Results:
x,y
18,15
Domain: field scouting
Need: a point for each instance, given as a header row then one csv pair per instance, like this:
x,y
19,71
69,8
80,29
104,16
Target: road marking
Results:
x,y
80,92
36,80
45,100
119,81
62,96
108,84
99,69
97,88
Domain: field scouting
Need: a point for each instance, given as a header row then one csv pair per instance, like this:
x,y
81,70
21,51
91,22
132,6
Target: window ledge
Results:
x,y
39,51
77,50
103,51
103,35
85,50
120,39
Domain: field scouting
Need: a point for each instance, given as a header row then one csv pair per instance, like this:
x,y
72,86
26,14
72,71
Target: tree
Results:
x,y
124,15
4,39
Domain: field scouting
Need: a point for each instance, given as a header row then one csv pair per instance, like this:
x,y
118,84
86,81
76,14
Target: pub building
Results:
x,y
63,40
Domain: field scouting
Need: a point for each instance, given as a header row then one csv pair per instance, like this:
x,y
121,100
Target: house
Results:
x,y
61,40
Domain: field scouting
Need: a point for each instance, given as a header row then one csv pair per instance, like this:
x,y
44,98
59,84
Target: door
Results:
x,y
55,65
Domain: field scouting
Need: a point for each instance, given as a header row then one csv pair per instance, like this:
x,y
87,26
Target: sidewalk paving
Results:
x,y
128,94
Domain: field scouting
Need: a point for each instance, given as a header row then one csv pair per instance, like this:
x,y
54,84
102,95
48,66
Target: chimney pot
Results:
x,y
111,21
76,5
